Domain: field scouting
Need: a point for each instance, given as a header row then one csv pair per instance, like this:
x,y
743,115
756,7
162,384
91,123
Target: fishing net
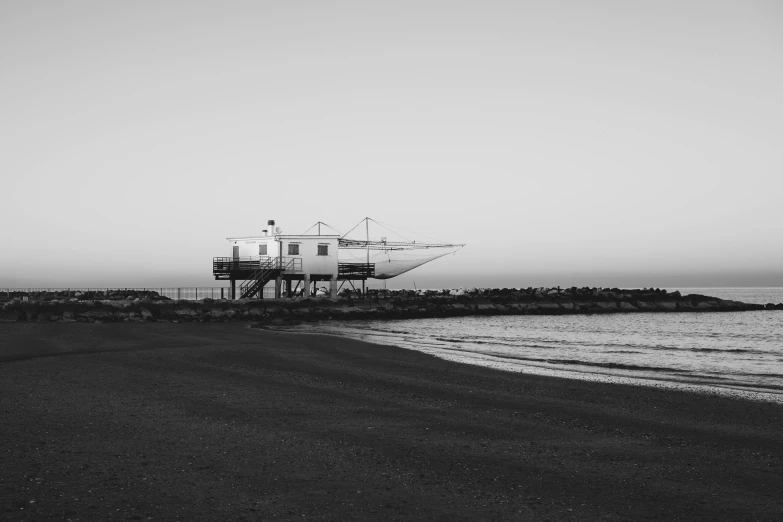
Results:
x,y
390,252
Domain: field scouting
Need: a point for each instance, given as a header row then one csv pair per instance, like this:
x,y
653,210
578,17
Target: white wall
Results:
x,y
312,263
248,247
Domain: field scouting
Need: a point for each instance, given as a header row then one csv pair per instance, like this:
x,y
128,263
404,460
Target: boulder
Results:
x,y
216,313
99,315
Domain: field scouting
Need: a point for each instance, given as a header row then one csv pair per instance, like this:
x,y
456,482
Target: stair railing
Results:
x,y
259,277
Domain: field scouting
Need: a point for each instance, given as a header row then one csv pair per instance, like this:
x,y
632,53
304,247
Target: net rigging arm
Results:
x,y
357,244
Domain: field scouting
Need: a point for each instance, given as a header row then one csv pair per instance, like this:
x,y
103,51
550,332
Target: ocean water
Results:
x,y
728,353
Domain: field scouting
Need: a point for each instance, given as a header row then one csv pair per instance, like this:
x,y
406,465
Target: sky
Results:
x,y
566,143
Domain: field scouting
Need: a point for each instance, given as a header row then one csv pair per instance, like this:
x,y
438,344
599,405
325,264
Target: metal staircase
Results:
x,y
267,271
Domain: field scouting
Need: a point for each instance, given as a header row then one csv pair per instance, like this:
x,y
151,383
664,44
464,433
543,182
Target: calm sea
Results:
x,y
729,353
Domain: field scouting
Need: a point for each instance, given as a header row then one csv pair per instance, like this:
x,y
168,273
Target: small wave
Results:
x,y
761,386
492,343
523,344
718,350
577,362
615,366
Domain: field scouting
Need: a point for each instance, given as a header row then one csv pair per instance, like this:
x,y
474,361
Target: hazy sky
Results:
x,y
589,143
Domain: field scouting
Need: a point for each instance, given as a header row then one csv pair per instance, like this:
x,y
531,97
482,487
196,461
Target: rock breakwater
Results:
x,y
399,304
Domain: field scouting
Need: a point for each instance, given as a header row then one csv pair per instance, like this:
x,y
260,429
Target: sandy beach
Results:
x,y
210,421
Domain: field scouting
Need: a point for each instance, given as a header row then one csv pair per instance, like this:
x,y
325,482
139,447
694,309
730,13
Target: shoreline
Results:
x,y
219,421
737,391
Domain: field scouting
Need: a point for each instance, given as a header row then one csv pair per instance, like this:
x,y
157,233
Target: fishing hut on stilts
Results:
x,y
296,264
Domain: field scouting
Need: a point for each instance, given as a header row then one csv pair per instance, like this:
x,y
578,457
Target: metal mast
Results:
x,y
367,229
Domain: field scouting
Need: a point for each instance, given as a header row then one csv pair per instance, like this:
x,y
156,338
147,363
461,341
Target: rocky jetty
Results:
x,y
394,304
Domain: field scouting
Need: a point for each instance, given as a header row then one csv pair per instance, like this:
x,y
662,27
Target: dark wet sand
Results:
x,y
223,422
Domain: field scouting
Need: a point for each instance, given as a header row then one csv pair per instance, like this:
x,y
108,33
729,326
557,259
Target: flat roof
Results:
x,y
284,236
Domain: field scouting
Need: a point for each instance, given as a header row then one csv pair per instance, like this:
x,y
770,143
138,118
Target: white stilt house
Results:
x,y
298,263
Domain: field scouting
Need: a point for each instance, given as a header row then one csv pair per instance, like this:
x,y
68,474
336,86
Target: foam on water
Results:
x,y
728,353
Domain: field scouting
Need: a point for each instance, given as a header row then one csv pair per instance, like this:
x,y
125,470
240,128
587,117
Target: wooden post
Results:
x,y
306,288
233,289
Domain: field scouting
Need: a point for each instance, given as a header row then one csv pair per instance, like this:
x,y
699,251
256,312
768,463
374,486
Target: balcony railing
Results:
x,y
228,265
357,270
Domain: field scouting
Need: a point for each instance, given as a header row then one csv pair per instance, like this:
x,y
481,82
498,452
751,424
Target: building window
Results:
x,y
293,250
262,250
323,250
